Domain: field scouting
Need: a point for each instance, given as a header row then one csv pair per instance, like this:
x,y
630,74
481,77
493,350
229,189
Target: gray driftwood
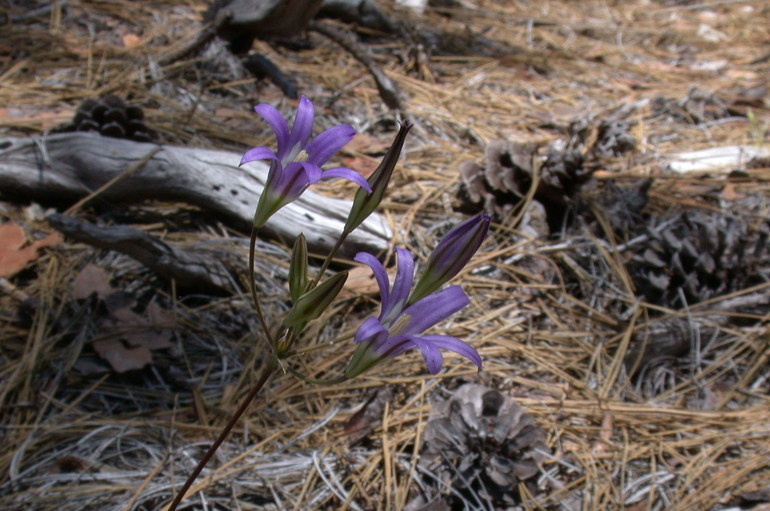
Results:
x,y
67,167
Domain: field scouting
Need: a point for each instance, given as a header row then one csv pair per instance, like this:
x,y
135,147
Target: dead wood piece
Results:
x,y
239,22
363,13
66,167
197,270
260,66
389,91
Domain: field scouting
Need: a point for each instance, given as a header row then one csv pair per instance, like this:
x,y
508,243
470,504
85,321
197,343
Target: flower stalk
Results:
x,y
267,372
405,313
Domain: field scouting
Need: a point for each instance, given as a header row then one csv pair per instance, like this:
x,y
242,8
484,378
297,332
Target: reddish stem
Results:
x,y
266,373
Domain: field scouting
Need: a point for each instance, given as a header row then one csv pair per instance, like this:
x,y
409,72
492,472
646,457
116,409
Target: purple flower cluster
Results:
x,y
403,317
406,313
297,163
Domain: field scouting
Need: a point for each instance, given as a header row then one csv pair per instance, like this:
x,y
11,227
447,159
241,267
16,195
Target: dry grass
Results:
x,y
95,440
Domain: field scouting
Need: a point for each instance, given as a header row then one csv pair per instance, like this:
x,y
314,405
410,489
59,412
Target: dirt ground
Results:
x,y
620,304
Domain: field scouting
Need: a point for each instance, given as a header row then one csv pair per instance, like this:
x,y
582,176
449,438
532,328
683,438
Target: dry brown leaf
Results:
x,y
131,337
364,166
91,279
123,357
131,41
365,420
14,256
729,193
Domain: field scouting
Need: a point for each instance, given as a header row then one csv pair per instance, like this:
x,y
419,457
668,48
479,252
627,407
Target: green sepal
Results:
x,y
268,202
311,304
298,269
362,360
365,203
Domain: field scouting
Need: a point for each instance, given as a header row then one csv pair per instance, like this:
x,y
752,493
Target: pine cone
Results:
x,y
482,444
505,177
111,117
702,253
696,107
664,339
609,137
622,207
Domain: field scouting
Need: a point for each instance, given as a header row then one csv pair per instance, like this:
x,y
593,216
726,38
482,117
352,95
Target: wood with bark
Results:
x,y
64,168
390,94
198,270
239,22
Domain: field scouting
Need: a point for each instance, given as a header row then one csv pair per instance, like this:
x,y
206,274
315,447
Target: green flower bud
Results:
x,y
298,269
364,202
311,304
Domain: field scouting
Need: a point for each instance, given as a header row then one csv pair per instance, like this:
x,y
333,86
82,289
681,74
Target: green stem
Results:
x,y
253,287
328,260
267,371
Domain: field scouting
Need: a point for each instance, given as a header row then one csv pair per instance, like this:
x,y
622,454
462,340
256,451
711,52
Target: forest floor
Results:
x,y
620,303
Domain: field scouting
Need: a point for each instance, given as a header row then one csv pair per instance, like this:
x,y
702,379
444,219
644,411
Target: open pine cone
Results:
x,y
505,177
111,117
482,444
564,166
703,253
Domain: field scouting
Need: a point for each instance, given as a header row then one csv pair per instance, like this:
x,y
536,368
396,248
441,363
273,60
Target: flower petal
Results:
x,y
401,286
380,275
303,123
370,330
258,153
274,175
278,124
430,353
290,183
313,172
434,308
322,147
350,175
454,344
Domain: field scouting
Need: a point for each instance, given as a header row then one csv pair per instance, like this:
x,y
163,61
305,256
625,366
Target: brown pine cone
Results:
x,y
111,117
482,443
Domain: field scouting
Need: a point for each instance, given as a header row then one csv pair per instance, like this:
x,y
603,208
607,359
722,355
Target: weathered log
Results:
x,y
67,167
199,270
239,22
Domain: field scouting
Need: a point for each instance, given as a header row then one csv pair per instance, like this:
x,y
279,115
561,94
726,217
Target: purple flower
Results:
x,y
297,163
398,327
451,255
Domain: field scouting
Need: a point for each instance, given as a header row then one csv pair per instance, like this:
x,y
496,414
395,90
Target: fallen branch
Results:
x,y
389,92
194,270
65,168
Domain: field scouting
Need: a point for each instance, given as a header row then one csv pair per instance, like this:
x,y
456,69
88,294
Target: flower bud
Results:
x,y
298,269
311,304
365,203
451,255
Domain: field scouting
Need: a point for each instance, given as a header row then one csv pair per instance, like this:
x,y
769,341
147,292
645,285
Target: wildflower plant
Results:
x,y
407,309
